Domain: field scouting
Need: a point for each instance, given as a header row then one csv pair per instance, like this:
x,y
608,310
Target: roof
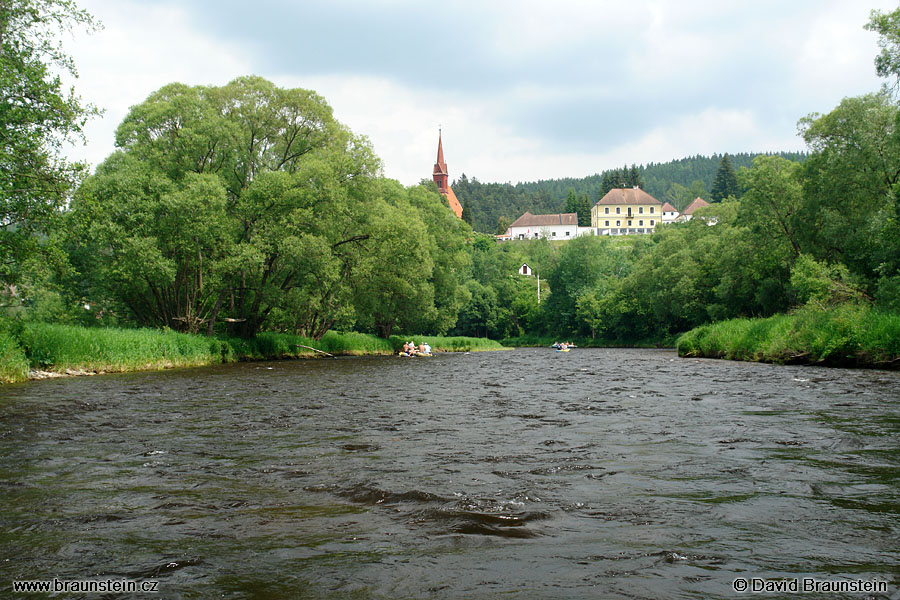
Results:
x,y
697,203
453,202
530,220
669,208
628,196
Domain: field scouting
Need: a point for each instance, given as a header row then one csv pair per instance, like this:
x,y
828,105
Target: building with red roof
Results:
x,y
624,211
688,212
442,179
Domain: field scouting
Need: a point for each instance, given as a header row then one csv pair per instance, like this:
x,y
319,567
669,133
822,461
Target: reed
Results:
x,y
846,335
63,347
13,362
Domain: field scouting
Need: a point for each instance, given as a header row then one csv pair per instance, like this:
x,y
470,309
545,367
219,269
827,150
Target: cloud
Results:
x,y
524,89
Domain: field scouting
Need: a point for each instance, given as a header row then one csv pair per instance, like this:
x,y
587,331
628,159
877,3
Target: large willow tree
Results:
x,y
226,204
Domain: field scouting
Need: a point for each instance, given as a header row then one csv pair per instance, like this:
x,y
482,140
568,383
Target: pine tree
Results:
x,y
467,213
584,210
609,182
571,202
635,177
725,184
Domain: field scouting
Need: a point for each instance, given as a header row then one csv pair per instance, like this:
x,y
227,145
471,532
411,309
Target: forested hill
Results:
x,y
677,181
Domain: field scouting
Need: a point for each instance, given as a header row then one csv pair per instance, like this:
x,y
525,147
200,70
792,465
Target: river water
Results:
x,y
598,473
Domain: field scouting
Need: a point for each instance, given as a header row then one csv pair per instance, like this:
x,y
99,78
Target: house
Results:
x,y
559,226
669,213
688,212
625,211
442,179
526,270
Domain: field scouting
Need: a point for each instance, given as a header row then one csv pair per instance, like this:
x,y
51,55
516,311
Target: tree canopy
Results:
x,y
37,119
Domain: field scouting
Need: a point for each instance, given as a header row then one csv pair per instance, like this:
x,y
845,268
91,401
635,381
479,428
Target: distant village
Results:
x,y
622,211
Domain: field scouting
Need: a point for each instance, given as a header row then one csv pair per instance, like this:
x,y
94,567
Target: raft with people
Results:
x,y
410,349
563,347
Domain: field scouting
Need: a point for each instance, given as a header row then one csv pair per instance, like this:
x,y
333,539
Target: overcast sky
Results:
x,y
524,90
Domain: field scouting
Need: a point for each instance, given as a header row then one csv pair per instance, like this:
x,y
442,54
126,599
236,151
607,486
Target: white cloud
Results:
x,y
141,48
565,89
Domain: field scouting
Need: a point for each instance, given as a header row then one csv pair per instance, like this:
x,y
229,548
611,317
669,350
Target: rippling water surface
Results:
x,y
522,474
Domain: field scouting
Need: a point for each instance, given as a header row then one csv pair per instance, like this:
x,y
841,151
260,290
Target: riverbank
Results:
x,y
42,350
843,336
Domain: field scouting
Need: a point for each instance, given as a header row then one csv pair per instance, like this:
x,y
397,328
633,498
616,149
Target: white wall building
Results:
x,y
559,226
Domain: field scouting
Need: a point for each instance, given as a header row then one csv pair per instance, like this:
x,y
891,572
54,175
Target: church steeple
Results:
x,y
442,179
439,174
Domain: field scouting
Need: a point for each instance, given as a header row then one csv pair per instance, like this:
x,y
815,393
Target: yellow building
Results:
x,y
625,212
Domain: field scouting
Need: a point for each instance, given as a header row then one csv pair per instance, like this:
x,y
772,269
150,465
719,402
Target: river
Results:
x,y
597,473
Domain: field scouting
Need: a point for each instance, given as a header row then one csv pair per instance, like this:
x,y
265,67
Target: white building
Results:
x,y
669,213
559,226
526,270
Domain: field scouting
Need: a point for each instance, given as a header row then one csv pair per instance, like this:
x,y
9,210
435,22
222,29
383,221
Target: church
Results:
x,y
442,179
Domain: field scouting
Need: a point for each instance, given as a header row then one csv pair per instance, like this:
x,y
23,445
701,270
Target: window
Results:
x,y
618,223
641,210
554,234
607,223
651,210
641,222
607,210
652,222
567,234
618,211
629,223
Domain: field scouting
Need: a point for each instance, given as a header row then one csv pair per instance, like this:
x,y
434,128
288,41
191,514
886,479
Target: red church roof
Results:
x,y
442,179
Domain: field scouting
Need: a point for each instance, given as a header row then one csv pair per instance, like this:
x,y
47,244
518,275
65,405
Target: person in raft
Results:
x,y
421,348
427,347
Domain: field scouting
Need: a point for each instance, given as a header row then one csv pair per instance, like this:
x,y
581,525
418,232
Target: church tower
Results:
x,y
442,179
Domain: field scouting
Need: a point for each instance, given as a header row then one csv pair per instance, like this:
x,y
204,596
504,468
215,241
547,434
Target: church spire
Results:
x,y
442,179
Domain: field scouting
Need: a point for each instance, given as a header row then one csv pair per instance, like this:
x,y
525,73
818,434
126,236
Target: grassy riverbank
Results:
x,y
42,349
848,335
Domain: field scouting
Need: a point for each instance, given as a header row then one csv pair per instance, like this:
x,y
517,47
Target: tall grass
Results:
x,y
13,363
107,349
70,348
847,335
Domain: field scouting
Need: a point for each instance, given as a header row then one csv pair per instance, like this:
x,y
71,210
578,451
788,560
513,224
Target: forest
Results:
x,y
247,208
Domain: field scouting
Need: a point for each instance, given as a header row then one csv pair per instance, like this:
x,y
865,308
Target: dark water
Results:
x,y
524,474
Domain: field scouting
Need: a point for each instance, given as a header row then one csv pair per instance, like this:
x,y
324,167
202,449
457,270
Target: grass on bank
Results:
x,y
847,335
70,348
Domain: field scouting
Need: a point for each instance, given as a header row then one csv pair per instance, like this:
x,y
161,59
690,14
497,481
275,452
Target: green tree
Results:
x,y
37,119
502,225
725,184
293,193
850,182
887,26
571,202
467,214
773,200
584,210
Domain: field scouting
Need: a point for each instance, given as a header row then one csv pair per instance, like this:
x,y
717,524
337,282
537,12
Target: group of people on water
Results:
x,y
410,349
563,346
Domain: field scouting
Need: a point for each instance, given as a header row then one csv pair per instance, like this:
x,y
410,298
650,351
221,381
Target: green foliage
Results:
x,y
13,362
725,185
847,335
850,209
104,349
823,285
887,26
37,119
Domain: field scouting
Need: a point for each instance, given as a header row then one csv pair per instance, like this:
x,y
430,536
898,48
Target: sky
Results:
x,y
522,90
